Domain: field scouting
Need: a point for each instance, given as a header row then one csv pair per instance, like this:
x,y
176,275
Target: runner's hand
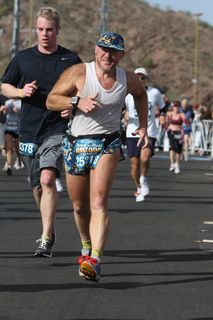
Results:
x,y
89,103
142,132
66,114
29,89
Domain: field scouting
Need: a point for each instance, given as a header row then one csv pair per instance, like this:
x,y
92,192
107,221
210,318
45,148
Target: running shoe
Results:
x,y
53,238
91,269
45,247
80,260
136,193
5,167
18,166
139,197
144,188
58,184
177,168
172,167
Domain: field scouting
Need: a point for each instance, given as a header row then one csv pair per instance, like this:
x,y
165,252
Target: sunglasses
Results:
x,y
143,78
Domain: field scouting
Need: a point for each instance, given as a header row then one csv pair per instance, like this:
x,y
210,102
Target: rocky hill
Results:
x,y
161,41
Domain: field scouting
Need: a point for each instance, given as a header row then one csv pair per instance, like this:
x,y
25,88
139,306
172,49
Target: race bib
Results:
x,y
28,148
82,154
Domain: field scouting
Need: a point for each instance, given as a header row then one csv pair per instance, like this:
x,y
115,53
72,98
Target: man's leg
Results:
x,y
89,194
78,190
47,166
133,153
49,201
145,157
135,170
145,161
100,183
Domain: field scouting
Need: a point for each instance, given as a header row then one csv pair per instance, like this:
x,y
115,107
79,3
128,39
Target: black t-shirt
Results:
x,y
37,123
3,99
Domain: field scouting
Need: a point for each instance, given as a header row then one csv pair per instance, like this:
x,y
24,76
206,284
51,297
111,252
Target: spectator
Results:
x,y
205,113
187,128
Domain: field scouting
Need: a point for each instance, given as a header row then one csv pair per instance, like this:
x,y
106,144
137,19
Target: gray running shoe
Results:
x,y
45,247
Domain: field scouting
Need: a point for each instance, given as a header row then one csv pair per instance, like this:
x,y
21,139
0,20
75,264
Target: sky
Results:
x,y
194,6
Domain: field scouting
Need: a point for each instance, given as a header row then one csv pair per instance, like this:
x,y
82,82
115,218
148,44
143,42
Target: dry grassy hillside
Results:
x,y
162,41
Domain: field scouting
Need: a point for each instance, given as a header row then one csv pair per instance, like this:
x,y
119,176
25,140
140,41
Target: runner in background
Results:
x,y
140,157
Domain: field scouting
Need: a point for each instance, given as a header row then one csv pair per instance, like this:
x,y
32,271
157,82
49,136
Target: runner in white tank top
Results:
x,y
106,119
139,157
92,149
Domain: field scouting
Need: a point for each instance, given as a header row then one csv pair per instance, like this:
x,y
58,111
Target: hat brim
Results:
x,y
109,46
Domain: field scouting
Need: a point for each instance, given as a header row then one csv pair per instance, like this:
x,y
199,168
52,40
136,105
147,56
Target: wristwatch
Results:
x,y
74,100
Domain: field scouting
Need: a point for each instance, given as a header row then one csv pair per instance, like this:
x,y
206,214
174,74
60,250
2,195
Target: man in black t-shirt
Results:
x,y
30,76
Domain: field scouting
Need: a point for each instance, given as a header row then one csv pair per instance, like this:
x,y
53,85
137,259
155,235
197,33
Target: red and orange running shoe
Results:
x,y
80,260
91,269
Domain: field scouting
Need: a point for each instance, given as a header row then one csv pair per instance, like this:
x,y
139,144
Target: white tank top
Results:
x,y
104,120
155,101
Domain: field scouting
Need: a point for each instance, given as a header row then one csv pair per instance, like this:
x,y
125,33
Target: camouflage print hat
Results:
x,y
111,40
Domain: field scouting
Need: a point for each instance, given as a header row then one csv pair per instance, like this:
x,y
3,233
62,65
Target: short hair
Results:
x,y
49,13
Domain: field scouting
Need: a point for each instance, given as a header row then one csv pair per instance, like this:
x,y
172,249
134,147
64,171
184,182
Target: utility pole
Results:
x,y
104,16
31,23
15,39
196,59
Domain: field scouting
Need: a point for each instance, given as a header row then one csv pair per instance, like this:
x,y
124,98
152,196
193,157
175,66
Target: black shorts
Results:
x,y
134,151
175,140
12,133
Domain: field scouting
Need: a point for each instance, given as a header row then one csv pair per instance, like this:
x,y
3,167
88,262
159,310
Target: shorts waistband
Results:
x,y
113,135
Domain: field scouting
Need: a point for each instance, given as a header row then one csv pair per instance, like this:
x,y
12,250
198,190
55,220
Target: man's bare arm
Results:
x,y
67,85
10,91
71,84
137,90
139,94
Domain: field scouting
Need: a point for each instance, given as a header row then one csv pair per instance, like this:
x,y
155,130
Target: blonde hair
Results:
x,y
49,13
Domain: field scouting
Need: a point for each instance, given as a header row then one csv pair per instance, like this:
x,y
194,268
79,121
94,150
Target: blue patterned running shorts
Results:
x,y
81,154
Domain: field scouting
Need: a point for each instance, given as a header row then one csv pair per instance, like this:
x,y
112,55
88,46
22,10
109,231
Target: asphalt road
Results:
x,y
158,262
